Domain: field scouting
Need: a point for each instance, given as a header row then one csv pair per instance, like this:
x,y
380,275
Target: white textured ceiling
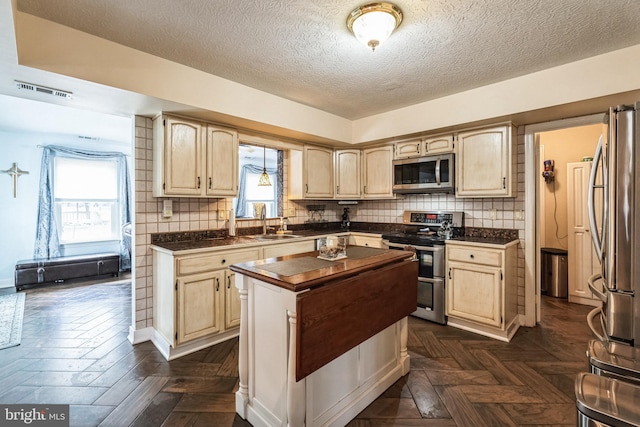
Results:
x,y
302,50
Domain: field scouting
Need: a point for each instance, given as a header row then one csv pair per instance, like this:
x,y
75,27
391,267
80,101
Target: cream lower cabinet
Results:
x,y
231,301
481,288
284,249
208,303
369,240
198,302
195,302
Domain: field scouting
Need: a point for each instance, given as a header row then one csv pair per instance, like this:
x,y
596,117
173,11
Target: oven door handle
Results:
x,y
393,245
435,248
400,246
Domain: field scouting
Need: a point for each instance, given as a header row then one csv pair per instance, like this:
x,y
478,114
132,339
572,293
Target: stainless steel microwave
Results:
x,y
429,174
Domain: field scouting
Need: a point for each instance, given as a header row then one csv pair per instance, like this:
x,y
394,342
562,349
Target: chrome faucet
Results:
x,y
263,217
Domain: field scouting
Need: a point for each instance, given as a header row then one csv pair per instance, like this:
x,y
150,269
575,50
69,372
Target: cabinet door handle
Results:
x,y
198,182
224,260
365,189
306,186
418,147
210,183
228,282
471,256
217,284
504,182
449,273
337,189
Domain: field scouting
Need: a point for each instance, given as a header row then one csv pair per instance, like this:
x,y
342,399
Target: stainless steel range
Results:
x,y
425,234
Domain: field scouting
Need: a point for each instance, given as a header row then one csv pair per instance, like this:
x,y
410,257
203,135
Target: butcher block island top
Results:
x,y
320,340
303,271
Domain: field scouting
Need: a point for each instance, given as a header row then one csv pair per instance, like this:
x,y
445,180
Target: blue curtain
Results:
x,y
242,192
47,240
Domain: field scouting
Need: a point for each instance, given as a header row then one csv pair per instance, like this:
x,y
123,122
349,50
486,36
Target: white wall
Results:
x,y
18,216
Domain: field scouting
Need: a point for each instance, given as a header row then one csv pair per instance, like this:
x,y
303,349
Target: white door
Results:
x,y
582,260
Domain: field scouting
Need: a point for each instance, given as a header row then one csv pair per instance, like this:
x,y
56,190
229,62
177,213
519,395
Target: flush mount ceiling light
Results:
x,y
373,23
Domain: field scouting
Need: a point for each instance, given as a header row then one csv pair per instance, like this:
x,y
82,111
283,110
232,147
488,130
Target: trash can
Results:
x,y
554,277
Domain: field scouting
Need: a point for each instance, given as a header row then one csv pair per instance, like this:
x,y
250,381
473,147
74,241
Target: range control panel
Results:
x,y
455,219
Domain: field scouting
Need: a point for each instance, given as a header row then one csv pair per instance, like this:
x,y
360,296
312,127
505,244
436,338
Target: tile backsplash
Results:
x,y
202,214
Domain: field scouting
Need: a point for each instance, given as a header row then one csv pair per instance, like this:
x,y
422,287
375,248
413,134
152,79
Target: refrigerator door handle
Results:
x,y
592,314
597,237
597,292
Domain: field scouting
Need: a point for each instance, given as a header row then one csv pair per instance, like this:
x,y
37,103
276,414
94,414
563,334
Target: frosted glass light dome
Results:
x,y
373,23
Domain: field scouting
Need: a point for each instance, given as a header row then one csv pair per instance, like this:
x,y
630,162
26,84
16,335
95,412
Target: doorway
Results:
x,y
565,142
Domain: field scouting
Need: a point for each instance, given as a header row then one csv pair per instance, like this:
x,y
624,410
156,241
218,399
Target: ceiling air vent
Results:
x,y
43,89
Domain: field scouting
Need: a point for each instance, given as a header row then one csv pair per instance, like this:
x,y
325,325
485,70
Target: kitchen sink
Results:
x,y
275,237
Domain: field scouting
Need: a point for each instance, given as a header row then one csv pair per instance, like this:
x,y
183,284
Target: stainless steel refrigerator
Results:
x,y
615,179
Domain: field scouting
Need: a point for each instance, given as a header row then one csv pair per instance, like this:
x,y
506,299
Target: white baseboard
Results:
x,y
7,283
137,336
171,353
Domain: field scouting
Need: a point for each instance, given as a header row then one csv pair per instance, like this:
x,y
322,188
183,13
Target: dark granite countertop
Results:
x,y
226,241
209,239
485,240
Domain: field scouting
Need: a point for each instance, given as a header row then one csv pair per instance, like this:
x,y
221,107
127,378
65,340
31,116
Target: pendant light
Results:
x,y
264,178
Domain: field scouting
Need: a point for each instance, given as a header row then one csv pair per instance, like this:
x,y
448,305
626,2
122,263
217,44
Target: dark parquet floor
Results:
x,y
75,351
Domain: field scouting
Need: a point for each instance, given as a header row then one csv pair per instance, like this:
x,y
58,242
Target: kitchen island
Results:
x,y
320,340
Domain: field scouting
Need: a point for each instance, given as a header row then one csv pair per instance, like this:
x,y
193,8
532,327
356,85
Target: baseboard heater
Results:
x,y
36,272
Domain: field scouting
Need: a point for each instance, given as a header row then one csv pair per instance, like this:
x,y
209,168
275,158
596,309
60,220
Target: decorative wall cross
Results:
x,y
15,173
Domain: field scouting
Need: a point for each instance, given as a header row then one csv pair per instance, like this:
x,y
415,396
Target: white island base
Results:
x,y
334,394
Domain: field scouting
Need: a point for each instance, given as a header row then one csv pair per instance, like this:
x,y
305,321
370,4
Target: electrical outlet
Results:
x,y
291,212
493,213
222,214
519,215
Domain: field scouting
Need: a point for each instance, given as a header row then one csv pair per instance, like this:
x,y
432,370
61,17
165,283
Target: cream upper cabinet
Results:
x,y
377,172
584,261
311,173
438,145
347,174
485,162
423,147
191,159
318,171
481,286
177,157
410,148
222,162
